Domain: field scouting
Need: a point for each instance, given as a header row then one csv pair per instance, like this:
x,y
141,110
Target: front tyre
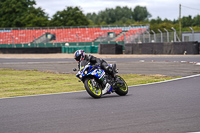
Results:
x,y
122,88
93,88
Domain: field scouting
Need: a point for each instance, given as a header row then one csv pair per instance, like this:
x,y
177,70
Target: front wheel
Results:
x,y
93,88
122,88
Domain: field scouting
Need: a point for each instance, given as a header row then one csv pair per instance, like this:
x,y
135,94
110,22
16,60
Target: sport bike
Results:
x,y
97,82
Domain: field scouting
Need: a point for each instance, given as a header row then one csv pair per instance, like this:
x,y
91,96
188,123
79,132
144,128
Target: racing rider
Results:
x,y
79,56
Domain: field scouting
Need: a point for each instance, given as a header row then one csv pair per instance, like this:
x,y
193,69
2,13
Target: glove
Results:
x,y
97,65
109,69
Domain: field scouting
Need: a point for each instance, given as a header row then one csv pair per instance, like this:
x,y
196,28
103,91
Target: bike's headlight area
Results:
x,y
85,72
80,76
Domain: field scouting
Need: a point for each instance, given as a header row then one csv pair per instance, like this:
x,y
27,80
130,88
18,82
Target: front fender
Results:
x,y
90,77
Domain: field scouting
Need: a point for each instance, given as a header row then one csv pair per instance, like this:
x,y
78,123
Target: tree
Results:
x,y
156,24
186,21
92,17
35,17
120,15
112,16
21,13
196,20
69,17
141,13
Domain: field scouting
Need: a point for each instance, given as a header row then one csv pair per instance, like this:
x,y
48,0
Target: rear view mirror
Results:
x,y
74,69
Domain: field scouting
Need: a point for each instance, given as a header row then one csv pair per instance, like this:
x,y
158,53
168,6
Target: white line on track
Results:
x,y
168,80
84,90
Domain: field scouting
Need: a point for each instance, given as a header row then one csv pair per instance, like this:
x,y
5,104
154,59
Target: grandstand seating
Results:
x,y
134,32
62,35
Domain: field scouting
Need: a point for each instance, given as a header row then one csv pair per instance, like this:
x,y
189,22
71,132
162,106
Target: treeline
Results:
x,y
119,16
186,22
22,13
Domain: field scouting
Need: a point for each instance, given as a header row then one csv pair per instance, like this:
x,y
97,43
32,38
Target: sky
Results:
x,y
163,8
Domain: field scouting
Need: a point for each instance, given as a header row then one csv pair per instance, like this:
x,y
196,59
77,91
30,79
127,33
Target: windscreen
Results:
x,y
83,63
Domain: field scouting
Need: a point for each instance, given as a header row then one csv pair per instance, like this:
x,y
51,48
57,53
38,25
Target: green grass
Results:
x,y
21,83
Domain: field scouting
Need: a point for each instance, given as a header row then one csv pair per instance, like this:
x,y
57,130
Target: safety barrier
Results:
x,y
110,49
30,50
163,48
87,49
38,45
32,45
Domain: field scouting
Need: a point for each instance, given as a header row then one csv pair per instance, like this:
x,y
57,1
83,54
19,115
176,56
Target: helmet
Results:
x,y
79,55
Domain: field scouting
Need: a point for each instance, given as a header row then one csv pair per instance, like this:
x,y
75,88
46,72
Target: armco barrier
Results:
x,y
163,48
72,49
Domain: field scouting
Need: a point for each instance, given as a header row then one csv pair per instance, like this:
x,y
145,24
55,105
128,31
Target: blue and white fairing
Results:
x,y
89,70
86,70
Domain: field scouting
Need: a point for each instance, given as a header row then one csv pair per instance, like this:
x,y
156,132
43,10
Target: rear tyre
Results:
x,y
94,91
122,88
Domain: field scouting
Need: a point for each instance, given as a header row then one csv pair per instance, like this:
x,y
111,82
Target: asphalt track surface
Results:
x,y
158,108
168,107
169,66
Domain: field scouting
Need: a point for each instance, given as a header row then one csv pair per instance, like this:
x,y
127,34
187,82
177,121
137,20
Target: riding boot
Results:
x,y
106,85
106,89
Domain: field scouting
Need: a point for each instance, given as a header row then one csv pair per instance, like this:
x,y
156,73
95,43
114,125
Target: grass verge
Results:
x,y
21,83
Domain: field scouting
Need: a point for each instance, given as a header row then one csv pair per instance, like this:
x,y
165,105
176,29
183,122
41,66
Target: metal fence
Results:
x,y
147,37
152,37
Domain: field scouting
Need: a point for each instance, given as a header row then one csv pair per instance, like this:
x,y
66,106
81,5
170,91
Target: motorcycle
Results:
x,y
97,82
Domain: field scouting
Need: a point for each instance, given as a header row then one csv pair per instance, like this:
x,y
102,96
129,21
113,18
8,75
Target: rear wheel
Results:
x,y
122,88
93,88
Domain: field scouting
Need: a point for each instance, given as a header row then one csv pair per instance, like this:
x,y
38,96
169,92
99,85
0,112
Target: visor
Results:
x,y
78,58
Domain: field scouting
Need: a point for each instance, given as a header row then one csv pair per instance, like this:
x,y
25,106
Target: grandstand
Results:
x,y
132,40
134,31
68,35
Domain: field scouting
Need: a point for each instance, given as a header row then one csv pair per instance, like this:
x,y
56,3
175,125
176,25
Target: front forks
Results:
x,y
95,86
94,83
